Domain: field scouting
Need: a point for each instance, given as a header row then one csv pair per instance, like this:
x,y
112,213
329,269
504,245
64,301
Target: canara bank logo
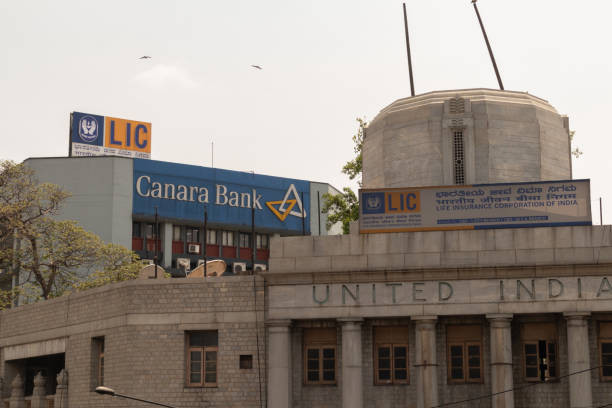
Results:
x,y
288,206
88,129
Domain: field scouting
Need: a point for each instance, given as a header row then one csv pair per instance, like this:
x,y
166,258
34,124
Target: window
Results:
x,y
227,238
136,229
391,355
176,233
245,240
211,237
458,156
192,234
246,361
97,353
320,356
149,231
464,354
202,350
539,350
262,241
605,350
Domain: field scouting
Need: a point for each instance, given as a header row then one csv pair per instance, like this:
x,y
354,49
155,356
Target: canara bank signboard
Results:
x,y
181,192
95,135
480,206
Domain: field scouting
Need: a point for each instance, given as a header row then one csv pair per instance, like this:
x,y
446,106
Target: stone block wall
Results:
x,y
144,324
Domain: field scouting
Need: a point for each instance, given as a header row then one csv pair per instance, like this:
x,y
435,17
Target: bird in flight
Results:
x,y
144,57
256,66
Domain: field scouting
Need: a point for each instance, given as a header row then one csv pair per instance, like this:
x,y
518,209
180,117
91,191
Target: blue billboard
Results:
x,y
181,192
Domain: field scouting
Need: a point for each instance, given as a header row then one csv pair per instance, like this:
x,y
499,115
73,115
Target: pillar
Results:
x,y
166,244
61,391
352,364
581,394
279,364
501,360
426,362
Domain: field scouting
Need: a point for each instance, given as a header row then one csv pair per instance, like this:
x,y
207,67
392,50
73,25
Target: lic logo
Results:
x,y
88,129
373,203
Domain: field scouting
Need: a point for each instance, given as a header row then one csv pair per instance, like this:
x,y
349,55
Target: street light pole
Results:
x,y
112,393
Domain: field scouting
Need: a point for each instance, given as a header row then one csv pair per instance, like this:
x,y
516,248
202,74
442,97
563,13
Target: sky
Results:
x,y
325,63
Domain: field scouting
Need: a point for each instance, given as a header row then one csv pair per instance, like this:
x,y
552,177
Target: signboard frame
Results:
x,y
478,206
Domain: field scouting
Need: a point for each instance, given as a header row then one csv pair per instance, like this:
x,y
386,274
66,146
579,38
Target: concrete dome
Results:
x,y
466,137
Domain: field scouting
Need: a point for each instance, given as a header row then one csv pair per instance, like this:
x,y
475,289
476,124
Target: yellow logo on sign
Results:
x,y
285,206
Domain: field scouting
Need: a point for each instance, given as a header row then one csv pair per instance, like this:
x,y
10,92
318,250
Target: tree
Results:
x,y
54,257
24,201
344,207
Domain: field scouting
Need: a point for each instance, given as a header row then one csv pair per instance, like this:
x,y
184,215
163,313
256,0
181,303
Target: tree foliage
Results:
x,y
53,257
344,207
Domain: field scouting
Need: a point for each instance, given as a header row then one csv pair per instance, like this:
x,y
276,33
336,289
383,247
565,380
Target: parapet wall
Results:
x,y
560,247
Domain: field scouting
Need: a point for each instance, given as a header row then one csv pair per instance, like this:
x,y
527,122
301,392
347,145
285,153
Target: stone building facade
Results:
x,y
144,327
501,291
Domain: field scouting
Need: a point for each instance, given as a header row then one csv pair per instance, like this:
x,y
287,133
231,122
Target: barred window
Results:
x,y
464,354
320,356
539,351
245,240
262,241
391,355
227,238
202,349
211,237
458,156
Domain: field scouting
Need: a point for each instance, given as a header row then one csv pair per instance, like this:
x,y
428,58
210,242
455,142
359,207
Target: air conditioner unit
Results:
x,y
183,264
239,268
147,261
259,267
193,249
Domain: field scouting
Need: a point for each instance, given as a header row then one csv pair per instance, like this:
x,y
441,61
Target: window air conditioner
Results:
x,y
259,267
183,264
193,249
239,267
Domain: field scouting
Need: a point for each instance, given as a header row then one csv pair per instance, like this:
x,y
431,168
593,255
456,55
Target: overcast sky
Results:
x,y
324,64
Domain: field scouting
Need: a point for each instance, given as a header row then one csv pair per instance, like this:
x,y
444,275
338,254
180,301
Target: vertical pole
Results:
x,y
253,240
156,236
600,213
484,33
205,241
303,217
319,209
408,51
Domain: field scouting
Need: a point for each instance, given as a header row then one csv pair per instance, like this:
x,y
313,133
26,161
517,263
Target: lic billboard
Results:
x,y
95,135
181,192
479,206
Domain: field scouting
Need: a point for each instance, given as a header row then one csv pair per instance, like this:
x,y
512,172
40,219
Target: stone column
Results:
x,y
501,360
17,400
279,364
352,365
39,394
166,244
426,362
581,394
61,391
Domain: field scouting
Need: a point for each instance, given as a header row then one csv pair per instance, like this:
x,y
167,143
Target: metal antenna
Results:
x,y
499,81
408,51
